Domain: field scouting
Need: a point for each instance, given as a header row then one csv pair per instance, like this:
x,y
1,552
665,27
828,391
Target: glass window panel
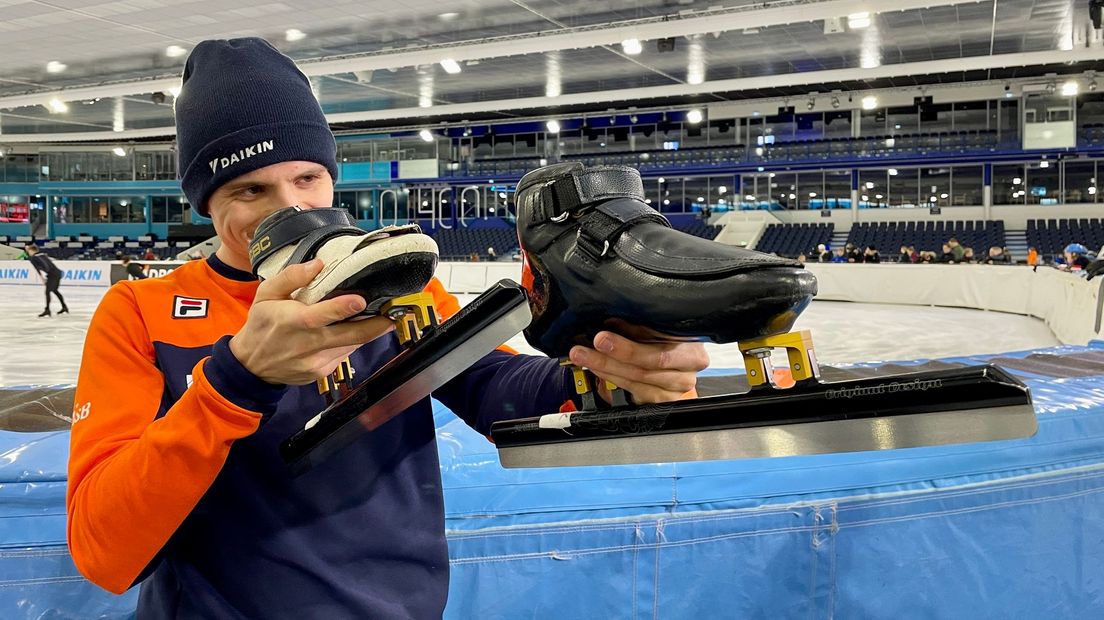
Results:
x,y
783,190
1042,183
1009,127
698,196
935,186
873,188
966,184
837,189
971,116
1008,184
1081,181
810,190
902,120
935,118
837,124
904,187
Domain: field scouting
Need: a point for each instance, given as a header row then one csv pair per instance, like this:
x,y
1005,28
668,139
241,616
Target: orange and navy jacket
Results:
x,y
175,479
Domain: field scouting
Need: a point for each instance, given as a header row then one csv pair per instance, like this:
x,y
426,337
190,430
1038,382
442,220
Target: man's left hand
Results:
x,y
652,373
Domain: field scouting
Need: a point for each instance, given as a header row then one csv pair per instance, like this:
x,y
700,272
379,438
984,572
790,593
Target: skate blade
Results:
x,y
976,404
491,319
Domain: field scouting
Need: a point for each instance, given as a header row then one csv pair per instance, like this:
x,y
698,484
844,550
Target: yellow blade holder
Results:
x,y
799,354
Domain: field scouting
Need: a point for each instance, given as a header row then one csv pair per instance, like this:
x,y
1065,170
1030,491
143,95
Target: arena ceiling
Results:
x,y
374,63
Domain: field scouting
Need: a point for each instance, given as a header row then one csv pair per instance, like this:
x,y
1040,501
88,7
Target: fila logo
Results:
x,y
241,154
189,308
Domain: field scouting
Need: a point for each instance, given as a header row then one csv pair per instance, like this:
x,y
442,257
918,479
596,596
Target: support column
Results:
x,y
987,191
856,122
854,195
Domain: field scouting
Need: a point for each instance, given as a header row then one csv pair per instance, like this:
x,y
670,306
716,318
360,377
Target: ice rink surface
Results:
x,y
39,351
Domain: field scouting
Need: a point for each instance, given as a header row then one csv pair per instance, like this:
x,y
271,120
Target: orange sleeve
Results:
x,y
133,478
447,305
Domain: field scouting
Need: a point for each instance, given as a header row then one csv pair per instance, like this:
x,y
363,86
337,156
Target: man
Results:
x,y
957,250
50,274
190,382
133,269
149,255
1076,257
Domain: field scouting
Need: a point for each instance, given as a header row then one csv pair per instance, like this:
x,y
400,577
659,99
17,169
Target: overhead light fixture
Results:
x,y
892,172
1091,86
869,185
810,104
858,21
835,102
55,67
632,47
694,116
57,106
448,17
661,180
812,194
175,51
1044,164
426,135
869,102
553,126
1017,181
722,189
1092,191
450,66
120,151
1070,88
294,34
1050,88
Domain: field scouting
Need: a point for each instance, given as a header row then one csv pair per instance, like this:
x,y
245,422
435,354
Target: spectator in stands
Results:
x,y
956,249
1076,257
51,275
150,255
870,255
133,269
1032,256
948,255
474,257
927,257
823,255
997,256
840,256
491,255
968,255
854,255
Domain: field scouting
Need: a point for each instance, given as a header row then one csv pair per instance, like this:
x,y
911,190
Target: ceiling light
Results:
x,y
1050,88
1070,88
294,34
632,47
865,198
1092,191
701,198
811,104
878,196
722,189
1092,85
694,116
120,151
1017,181
1044,164
890,142
55,67
661,180
869,102
892,172
666,202
425,135
933,199
553,126
448,17
175,51
58,106
857,21
695,78
943,196
450,66
793,196
869,185
835,102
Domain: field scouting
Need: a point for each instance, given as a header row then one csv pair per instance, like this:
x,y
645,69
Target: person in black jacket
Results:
x,y
50,274
133,269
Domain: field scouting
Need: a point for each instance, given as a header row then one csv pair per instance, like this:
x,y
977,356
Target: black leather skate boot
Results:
x,y
380,265
597,257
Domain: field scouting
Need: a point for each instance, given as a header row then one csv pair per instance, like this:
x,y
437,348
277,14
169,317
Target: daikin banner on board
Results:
x,y
74,273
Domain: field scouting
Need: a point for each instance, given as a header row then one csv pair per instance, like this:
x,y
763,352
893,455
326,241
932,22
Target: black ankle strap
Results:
x,y
594,184
600,228
292,228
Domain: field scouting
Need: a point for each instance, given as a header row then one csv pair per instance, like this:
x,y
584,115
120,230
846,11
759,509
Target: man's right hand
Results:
x,y
287,342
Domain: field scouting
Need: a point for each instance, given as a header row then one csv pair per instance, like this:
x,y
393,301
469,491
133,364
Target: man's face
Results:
x,y
238,207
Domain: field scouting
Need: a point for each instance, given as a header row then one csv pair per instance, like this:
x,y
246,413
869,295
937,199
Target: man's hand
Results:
x,y
652,373
286,342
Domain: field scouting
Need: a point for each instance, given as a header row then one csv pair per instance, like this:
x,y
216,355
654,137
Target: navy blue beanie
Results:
x,y
243,106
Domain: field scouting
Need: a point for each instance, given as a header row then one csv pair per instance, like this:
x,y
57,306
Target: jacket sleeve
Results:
x,y
133,476
503,385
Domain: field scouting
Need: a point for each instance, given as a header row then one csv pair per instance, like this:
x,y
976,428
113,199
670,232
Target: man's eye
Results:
x,y
252,190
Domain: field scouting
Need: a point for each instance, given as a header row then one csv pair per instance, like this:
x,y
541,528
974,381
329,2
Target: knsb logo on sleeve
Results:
x,y
189,308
